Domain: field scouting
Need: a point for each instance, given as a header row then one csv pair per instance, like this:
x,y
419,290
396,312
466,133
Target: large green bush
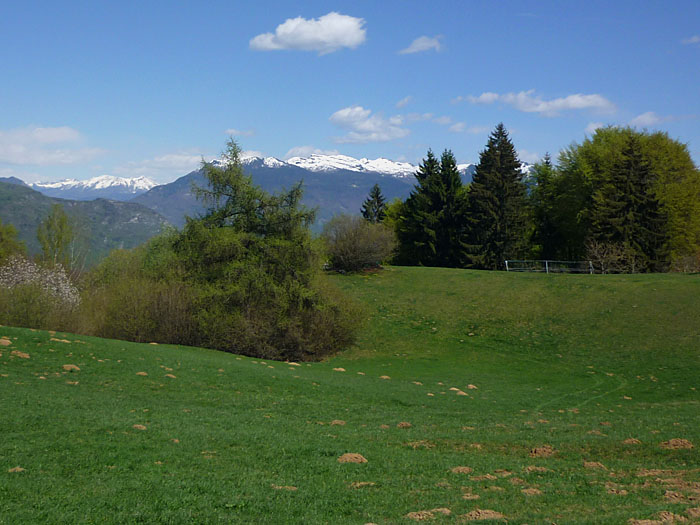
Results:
x,y
353,243
243,278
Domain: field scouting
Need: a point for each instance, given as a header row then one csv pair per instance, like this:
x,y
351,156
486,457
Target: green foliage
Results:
x,y
9,244
353,243
585,169
431,229
497,206
626,211
55,233
374,207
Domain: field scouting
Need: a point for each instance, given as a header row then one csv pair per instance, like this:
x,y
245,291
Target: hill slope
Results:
x,y
580,382
103,224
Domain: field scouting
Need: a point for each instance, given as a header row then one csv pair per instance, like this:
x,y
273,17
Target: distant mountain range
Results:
x,y
332,183
102,187
101,225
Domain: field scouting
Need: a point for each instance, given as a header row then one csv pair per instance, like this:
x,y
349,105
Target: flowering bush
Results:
x,y
18,271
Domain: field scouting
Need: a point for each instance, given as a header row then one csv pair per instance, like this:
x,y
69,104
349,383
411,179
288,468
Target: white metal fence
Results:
x,y
547,266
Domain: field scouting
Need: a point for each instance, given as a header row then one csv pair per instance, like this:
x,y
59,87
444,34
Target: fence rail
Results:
x,y
549,266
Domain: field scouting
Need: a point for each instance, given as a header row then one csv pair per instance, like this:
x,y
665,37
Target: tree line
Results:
x,y
627,200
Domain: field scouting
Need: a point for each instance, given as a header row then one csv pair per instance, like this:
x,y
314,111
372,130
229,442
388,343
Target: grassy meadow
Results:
x,y
564,398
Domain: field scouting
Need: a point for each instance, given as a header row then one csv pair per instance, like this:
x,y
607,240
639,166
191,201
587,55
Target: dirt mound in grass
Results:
x,y
594,465
532,491
423,515
16,469
631,441
544,451
404,424
535,468
462,470
676,444
71,368
352,458
139,427
283,487
21,355
338,422
5,342
482,514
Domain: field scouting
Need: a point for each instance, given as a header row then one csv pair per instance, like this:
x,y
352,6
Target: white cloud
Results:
x,y
695,39
647,119
592,126
404,101
443,121
528,156
239,132
418,117
528,102
164,166
364,127
423,43
41,146
307,151
326,34
461,127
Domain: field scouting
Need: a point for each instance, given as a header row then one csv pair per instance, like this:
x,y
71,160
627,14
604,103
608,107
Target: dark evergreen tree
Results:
x,y
627,212
497,205
374,207
431,226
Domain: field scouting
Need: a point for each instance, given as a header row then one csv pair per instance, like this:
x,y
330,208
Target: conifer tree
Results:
x,y
431,226
497,205
627,212
374,207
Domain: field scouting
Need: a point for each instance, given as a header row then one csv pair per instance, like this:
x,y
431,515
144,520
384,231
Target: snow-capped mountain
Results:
x,y
104,186
329,163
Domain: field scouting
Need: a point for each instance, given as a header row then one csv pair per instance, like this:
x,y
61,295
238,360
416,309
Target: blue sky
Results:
x,y
148,88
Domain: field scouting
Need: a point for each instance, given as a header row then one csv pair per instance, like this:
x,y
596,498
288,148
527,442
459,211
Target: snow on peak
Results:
x,y
134,185
318,162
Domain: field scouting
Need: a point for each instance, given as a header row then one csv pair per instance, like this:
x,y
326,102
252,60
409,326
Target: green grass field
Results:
x,y
566,369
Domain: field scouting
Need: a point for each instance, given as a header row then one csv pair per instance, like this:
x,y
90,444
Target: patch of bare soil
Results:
x,y
424,515
462,470
502,473
338,422
139,427
5,342
339,369
21,355
141,373
170,376
71,368
531,491
674,497
694,512
645,473
594,465
384,377
516,481
472,387
283,487
676,444
16,469
361,484
404,424
631,441
669,517
535,468
59,340
484,477
482,514
544,451
351,457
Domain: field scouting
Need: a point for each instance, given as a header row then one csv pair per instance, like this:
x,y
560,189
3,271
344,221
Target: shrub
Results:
x,y
353,243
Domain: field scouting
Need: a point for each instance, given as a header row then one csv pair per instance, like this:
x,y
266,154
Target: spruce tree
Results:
x,y
627,212
431,226
497,205
374,207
